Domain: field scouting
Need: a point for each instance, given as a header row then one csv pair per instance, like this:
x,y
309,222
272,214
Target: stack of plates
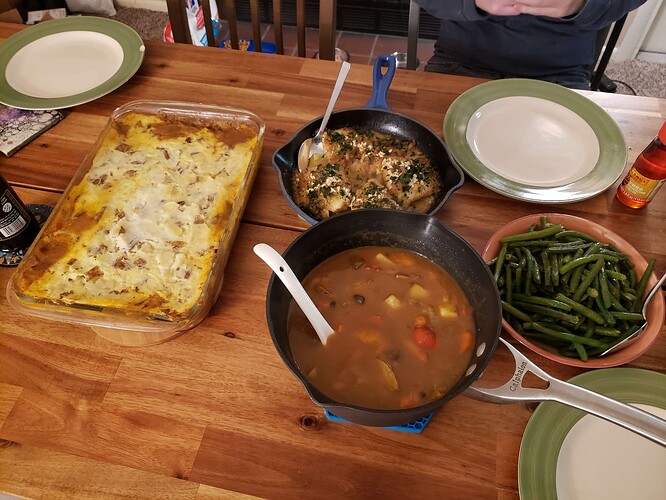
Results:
x,y
534,141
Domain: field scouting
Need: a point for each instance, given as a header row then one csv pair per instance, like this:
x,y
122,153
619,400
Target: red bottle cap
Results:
x,y
662,133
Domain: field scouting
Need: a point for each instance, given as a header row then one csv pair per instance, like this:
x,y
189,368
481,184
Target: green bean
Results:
x,y
631,316
567,233
543,301
564,336
580,308
551,313
546,339
533,235
575,276
530,273
580,350
532,266
585,260
554,270
587,280
642,285
606,331
515,312
530,244
500,261
566,248
545,259
603,288
609,319
569,283
616,275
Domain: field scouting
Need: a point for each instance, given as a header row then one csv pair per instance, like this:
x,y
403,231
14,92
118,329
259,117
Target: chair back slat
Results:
x,y
277,26
255,15
211,39
327,23
413,34
178,20
300,27
231,20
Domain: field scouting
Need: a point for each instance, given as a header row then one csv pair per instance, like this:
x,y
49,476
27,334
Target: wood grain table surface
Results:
x,y
215,413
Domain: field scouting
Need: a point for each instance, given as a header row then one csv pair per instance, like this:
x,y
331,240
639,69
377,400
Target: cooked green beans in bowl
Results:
x,y
571,289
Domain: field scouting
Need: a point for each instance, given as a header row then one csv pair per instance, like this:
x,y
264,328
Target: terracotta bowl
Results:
x,y
655,312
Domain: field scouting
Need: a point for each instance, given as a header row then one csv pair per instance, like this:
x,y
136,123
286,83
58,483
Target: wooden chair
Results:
x,y
327,20
413,34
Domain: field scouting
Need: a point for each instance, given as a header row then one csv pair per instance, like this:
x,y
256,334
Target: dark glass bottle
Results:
x,y
647,175
18,227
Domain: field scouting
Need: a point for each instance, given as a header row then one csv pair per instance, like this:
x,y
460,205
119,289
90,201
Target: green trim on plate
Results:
x,y
551,422
129,40
612,154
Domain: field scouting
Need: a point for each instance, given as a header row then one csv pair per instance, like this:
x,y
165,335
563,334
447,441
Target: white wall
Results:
x,y
655,41
644,36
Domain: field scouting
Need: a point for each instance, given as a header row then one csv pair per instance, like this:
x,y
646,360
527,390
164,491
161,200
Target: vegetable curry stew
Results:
x,y
404,330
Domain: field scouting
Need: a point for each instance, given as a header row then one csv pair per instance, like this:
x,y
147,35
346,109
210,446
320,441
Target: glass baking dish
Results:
x,y
140,238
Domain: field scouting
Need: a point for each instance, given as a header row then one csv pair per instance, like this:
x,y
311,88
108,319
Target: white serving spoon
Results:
x,y
620,345
311,147
287,276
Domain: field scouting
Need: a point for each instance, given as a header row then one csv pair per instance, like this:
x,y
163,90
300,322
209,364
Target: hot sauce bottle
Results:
x,y
18,227
647,175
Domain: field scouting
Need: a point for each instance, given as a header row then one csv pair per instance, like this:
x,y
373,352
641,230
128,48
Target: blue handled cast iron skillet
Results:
x,y
375,115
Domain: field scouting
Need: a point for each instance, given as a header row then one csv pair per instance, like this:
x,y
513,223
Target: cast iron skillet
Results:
x,y
420,233
377,116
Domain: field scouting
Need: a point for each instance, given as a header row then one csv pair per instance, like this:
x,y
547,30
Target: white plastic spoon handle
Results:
x,y
342,76
282,270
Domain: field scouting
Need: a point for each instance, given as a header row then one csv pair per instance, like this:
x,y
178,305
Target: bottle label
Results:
x,y
13,218
637,187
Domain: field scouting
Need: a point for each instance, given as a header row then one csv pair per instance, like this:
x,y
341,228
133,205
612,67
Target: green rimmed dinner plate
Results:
x,y
65,62
534,141
545,435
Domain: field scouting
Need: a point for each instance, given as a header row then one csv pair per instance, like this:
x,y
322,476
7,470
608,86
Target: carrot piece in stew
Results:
x,y
424,337
466,341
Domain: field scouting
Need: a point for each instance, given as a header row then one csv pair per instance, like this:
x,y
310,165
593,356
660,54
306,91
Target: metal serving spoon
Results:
x,y
634,419
641,329
282,270
311,147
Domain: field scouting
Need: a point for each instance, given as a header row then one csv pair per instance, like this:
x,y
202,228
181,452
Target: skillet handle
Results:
x,y
381,82
631,418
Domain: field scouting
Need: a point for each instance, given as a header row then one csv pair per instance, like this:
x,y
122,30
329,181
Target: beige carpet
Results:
x,y
645,78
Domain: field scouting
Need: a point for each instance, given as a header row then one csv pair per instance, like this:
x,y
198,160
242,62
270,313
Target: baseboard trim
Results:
x,y
655,57
157,5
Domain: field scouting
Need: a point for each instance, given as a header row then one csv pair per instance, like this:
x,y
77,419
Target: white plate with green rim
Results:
x,y
567,454
534,141
65,62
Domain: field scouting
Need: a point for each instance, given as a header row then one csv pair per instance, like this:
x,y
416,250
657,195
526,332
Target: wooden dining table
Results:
x,y
215,413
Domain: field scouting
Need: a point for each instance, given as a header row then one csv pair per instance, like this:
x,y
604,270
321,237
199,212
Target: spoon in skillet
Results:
x,y
311,147
282,270
641,329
